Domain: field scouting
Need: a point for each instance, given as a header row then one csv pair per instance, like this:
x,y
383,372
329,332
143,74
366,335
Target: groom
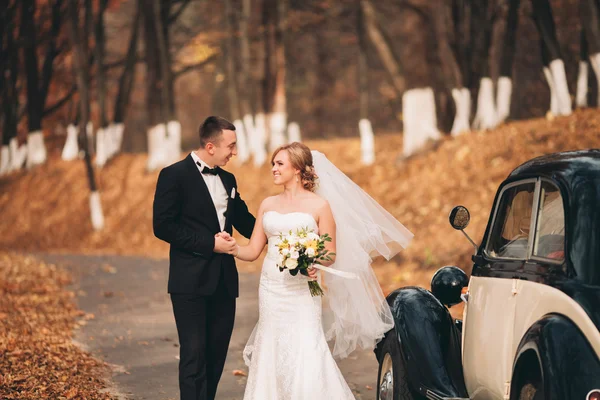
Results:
x,y
195,200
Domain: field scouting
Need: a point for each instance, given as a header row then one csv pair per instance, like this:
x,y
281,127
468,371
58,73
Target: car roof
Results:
x,y
561,166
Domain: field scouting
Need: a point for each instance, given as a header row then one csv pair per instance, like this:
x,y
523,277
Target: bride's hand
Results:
x,y
312,273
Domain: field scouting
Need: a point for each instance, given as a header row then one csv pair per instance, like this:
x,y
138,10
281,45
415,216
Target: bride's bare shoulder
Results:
x,y
268,203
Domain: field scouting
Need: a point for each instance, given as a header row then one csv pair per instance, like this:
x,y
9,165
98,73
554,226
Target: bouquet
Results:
x,y
299,250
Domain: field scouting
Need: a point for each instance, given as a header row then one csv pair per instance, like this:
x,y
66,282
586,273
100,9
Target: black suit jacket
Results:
x,y
185,217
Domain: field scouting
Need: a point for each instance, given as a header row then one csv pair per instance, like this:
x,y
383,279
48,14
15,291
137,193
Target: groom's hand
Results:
x,y
224,235
225,246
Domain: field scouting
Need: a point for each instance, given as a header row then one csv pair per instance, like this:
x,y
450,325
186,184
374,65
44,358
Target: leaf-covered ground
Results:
x,y
38,358
47,209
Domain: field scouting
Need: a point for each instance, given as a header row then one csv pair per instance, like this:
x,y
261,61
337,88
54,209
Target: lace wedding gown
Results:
x,y
289,358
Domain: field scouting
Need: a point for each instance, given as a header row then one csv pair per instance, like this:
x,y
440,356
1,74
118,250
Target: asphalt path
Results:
x,y
133,328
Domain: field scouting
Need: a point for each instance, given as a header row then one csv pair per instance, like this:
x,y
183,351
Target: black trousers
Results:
x,y
204,325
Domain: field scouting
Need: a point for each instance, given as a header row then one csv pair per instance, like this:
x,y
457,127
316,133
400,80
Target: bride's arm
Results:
x,y
252,250
327,225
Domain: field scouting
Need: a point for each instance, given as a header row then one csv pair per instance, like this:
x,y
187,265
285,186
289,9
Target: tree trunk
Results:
x,y
127,76
162,32
230,54
323,78
100,68
82,76
28,35
278,118
384,49
452,74
8,81
244,74
367,141
482,22
554,68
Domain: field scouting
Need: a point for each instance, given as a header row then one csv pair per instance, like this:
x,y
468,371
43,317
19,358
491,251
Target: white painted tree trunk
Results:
x,y
4,160
553,99
367,142
96,211
294,134
582,85
420,120
118,130
18,154
243,152
250,130
109,140
462,101
101,147
485,116
156,147
503,97
71,147
259,146
36,149
173,141
278,125
595,62
557,68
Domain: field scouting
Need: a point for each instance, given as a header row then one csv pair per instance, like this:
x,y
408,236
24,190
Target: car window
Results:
x,y
550,231
510,234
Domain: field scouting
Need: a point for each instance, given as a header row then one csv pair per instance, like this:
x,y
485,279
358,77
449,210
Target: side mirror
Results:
x,y
447,284
459,218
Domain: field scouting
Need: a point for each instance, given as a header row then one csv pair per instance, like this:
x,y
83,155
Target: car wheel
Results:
x,y
392,380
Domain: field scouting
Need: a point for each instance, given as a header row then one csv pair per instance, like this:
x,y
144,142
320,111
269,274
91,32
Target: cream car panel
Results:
x,y
488,336
535,300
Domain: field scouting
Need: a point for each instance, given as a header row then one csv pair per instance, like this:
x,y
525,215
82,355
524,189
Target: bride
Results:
x,y
287,354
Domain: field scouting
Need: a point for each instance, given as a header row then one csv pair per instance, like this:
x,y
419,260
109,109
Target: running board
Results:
x,y
434,396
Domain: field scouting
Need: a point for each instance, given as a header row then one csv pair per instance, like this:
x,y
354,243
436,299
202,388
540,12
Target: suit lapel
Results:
x,y
228,186
204,191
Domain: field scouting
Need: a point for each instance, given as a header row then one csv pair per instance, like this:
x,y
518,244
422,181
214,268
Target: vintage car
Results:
x,y
531,320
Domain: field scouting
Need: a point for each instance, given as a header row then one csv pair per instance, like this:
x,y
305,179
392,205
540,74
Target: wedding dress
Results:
x,y
289,358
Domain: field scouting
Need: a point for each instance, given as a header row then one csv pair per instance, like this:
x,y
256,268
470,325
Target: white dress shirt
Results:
x,y
215,188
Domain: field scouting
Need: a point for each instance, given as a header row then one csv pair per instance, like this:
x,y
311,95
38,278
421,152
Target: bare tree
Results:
x,y
37,86
367,141
80,66
164,134
102,136
9,70
278,115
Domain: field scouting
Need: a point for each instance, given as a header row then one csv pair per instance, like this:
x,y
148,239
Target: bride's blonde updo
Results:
x,y
301,159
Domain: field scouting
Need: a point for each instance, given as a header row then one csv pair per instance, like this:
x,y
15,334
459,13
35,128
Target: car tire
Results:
x,y
392,379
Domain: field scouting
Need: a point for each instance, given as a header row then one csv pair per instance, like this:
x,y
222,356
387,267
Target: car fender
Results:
x,y
429,342
569,366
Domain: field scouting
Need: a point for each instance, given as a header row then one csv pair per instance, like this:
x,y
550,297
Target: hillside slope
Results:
x,y
47,209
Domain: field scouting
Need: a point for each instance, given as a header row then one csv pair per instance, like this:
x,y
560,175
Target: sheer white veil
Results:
x,y
358,314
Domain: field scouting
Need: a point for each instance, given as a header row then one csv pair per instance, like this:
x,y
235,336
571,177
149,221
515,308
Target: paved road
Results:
x,y
133,328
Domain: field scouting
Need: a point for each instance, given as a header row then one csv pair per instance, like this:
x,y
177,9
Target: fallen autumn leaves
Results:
x,y
38,359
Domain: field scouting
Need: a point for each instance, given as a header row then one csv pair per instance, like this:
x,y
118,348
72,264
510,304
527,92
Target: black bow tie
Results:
x,y
206,170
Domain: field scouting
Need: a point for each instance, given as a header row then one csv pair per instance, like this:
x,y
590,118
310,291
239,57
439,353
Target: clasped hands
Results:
x,y
226,244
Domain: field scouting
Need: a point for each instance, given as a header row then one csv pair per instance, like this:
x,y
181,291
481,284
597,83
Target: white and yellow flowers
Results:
x,y
299,250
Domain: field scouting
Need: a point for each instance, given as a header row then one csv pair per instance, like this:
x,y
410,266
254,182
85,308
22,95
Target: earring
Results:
x,y
296,178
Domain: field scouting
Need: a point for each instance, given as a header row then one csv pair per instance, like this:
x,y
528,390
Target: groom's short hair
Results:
x,y
212,128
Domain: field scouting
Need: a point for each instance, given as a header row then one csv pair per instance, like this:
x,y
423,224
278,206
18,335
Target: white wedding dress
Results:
x,y
289,358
